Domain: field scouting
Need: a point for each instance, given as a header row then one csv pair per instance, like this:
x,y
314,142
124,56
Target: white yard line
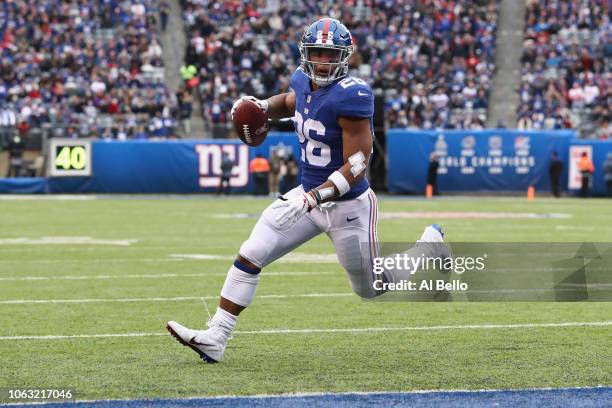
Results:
x,y
89,261
148,276
159,299
425,328
47,197
347,330
66,241
294,257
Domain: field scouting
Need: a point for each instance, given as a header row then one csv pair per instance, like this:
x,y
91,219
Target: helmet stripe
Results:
x,y
326,24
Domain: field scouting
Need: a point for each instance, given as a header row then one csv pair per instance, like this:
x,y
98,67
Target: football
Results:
x,y
251,123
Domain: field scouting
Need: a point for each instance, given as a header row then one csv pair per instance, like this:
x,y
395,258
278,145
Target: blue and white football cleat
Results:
x,y
432,240
209,344
432,233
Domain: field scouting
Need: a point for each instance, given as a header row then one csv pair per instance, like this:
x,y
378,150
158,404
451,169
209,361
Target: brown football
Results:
x,y
251,123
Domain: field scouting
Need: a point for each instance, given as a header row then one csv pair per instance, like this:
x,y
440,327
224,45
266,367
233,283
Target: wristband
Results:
x,y
316,195
326,193
311,199
340,182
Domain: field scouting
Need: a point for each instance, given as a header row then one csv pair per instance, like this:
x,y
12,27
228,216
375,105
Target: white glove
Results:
x,y
262,103
294,209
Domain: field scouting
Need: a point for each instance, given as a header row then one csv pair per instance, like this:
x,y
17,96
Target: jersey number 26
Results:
x,y
303,130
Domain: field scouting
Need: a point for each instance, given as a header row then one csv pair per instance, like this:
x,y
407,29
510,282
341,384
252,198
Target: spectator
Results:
x,y
554,170
481,102
288,174
604,131
576,96
23,128
164,12
259,167
585,166
591,93
524,122
161,126
227,165
185,107
188,73
275,163
8,120
140,133
16,148
432,173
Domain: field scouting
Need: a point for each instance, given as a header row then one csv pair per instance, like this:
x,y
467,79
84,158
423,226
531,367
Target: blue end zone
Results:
x,y
574,397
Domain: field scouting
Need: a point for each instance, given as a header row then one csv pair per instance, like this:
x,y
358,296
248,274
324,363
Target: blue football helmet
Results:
x,y
327,40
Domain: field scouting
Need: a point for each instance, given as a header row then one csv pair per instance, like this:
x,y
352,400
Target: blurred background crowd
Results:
x,y
95,68
567,53
434,65
83,68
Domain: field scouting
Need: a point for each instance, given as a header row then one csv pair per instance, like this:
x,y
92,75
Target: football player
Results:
x,y
332,114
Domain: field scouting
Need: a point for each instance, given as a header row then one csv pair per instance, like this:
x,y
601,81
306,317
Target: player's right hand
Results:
x,y
262,103
293,209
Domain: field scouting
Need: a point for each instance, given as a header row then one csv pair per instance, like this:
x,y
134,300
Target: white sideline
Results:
x,y
93,260
159,299
294,257
348,330
148,276
66,241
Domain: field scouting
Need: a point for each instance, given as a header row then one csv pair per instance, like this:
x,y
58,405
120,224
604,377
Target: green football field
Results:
x,y
86,287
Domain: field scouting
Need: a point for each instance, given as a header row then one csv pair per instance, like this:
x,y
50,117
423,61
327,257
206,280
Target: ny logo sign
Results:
x,y
210,157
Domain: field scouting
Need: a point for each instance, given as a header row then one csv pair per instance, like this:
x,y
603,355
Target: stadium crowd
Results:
x,y
82,68
567,55
94,68
432,59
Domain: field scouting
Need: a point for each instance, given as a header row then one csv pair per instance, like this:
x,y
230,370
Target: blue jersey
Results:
x,y
316,123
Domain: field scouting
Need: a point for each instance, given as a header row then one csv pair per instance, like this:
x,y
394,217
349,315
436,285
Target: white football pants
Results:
x,y
351,226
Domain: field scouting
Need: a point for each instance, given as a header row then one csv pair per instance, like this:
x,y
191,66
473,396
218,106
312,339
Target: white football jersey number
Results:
x,y
346,82
303,130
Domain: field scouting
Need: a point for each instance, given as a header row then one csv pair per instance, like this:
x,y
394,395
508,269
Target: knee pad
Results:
x,y
266,242
258,250
262,242
357,266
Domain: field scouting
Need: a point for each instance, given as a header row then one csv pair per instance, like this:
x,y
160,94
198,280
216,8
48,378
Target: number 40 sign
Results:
x,y
69,157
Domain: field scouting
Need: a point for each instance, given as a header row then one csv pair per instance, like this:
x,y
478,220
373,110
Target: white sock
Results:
x,y
225,321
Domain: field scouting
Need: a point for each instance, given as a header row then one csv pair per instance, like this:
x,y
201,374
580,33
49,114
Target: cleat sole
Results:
x,y
205,357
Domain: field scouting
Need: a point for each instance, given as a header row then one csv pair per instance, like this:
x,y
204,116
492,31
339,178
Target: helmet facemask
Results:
x,y
324,64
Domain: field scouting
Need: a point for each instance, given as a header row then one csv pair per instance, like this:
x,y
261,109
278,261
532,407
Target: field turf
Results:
x,y
156,282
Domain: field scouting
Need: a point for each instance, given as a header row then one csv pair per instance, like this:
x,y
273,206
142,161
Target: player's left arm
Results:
x,y
357,147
